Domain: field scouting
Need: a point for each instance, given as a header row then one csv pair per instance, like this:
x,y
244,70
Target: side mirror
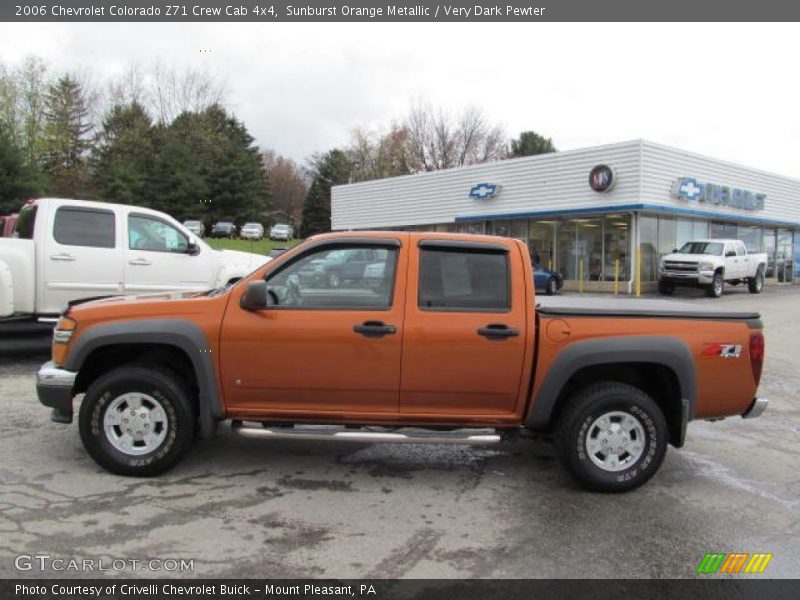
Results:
x,y
192,249
255,296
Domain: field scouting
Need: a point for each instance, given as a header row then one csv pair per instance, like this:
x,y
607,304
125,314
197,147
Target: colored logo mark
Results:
x,y
733,563
484,191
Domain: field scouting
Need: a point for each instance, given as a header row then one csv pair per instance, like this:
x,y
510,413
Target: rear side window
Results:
x,y
84,227
464,280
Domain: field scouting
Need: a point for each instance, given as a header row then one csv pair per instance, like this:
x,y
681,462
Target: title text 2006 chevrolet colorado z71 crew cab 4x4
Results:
x,y
442,342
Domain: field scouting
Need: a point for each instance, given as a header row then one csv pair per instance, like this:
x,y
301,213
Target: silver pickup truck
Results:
x,y
711,264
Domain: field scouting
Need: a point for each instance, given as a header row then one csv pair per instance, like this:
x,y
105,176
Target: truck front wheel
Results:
x,y
717,287
612,437
137,420
666,288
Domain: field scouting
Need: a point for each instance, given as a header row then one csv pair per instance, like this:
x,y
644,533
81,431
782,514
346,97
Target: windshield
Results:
x,y
23,228
191,223
252,225
710,248
280,227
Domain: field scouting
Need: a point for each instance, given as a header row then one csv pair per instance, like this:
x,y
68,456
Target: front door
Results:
x,y
82,257
465,343
319,346
157,258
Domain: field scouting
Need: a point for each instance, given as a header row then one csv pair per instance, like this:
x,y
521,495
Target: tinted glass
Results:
x,y
336,278
23,228
712,248
154,235
84,227
463,280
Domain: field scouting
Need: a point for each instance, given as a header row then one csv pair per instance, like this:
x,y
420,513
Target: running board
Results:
x,y
404,435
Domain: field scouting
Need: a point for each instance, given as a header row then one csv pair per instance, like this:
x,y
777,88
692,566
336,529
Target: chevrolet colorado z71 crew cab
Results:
x,y
448,345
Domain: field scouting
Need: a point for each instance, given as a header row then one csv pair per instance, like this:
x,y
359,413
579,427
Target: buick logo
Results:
x,y
602,178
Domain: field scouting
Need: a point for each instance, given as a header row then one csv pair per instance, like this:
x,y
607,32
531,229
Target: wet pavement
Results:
x,y
242,507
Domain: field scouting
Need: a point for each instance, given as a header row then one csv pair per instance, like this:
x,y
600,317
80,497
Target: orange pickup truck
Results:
x,y
420,337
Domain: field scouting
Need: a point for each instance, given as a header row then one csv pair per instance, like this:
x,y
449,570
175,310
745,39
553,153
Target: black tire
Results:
x,y
717,287
577,423
666,288
157,383
551,289
756,284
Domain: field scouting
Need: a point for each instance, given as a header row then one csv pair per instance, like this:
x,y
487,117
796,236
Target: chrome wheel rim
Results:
x,y
717,285
553,286
615,441
135,423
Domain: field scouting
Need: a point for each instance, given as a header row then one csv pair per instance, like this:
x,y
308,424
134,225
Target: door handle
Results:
x,y
498,331
139,261
374,329
63,256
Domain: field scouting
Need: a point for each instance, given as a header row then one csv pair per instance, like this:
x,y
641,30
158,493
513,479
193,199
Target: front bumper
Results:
x,y
688,279
758,406
54,388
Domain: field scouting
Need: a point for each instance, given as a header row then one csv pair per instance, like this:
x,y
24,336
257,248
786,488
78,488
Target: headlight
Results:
x,y
705,266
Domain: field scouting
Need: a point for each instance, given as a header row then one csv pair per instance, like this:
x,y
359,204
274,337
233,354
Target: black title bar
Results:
x,y
390,11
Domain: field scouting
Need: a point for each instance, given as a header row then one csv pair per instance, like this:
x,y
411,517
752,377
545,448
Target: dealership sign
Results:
x,y
484,191
692,190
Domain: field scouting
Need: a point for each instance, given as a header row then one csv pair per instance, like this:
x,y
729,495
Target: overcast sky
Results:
x,y
726,90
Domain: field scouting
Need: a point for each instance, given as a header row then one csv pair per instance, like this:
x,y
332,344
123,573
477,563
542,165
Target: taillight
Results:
x,y
756,355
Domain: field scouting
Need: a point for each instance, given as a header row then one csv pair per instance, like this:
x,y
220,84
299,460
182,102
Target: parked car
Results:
x,y
7,225
281,231
276,252
223,229
443,352
68,250
252,231
547,281
340,266
196,227
711,264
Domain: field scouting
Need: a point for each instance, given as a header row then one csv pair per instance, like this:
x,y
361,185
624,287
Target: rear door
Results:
x,y
82,256
464,347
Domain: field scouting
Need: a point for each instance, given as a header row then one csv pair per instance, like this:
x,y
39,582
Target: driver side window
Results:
x,y
336,277
154,235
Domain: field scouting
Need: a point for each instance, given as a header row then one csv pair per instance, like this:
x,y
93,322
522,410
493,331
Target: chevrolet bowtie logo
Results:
x,y
690,189
483,191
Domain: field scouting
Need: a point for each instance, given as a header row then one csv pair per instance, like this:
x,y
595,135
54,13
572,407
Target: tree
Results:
x,y
332,168
23,92
18,180
531,143
439,141
66,139
207,167
374,156
123,158
287,186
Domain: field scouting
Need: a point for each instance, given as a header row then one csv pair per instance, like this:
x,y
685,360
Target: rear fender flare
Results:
x,y
667,351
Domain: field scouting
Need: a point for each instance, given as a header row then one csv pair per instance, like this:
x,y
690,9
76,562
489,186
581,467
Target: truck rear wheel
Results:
x,y
612,437
666,288
756,284
137,420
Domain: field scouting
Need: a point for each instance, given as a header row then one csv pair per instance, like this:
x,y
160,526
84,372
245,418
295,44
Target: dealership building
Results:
x,y
593,214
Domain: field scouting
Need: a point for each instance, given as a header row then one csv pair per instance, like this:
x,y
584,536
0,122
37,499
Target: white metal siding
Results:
x,y
554,182
662,165
546,182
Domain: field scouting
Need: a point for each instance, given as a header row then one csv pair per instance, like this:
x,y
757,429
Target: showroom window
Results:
x,y
542,243
751,236
648,236
616,245
502,228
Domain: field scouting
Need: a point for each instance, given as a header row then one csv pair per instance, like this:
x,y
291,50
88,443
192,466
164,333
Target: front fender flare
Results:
x,y
180,333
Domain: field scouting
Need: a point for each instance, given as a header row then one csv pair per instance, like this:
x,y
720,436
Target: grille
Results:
x,y
680,266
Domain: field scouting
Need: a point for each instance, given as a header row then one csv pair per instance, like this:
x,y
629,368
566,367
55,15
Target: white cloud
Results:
x,y
718,89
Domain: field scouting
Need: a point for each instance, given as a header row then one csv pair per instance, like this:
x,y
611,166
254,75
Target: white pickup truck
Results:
x,y
66,250
711,264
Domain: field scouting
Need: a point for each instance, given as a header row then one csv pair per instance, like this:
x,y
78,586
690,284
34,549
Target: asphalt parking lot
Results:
x,y
241,507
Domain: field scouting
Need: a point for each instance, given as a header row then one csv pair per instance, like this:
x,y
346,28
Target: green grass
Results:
x,y
257,247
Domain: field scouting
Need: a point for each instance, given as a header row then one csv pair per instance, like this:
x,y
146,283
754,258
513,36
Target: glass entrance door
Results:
x,y
784,255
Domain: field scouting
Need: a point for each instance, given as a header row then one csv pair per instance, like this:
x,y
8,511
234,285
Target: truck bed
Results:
x,y
635,307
